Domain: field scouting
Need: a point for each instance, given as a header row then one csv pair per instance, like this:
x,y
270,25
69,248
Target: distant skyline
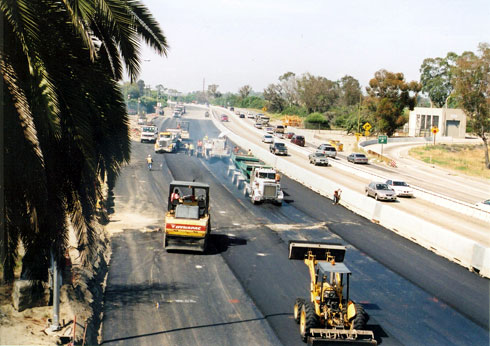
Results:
x,y
235,42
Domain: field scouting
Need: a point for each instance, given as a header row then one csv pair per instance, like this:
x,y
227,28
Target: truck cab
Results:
x,y
265,186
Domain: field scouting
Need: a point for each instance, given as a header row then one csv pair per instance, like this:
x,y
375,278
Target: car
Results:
x,y
328,150
224,117
485,205
278,148
298,140
232,109
357,158
318,159
279,135
250,115
141,121
242,115
279,129
380,191
258,125
269,130
401,188
289,135
237,112
267,138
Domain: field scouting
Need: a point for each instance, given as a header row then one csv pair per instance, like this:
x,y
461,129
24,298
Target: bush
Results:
x,y
316,121
295,110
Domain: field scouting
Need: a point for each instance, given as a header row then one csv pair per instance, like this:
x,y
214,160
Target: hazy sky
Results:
x,y
236,42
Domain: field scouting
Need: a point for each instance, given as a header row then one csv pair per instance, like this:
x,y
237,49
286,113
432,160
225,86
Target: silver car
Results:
x,y
318,159
380,191
357,158
327,149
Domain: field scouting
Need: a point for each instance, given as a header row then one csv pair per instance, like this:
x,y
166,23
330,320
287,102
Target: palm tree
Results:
x,y
64,116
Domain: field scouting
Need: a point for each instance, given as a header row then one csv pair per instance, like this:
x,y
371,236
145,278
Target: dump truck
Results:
x,y
167,142
216,147
328,316
261,182
184,129
187,220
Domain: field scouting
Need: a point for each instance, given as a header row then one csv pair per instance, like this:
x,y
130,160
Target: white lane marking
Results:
x,y
261,254
236,224
198,266
222,212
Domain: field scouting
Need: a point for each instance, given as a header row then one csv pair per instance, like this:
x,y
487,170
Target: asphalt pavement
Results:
x,y
242,291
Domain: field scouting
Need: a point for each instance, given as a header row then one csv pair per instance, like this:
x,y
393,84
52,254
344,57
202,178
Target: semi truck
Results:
x,y
167,142
261,182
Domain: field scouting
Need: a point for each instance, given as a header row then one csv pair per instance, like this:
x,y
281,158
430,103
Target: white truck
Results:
x,y
216,147
149,134
261,182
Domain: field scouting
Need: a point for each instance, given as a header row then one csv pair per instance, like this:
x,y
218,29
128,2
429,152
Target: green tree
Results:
x,y
245,91
289,87
273,96
65,116
471,82
317,94
389,95
435,78
350,91
213,90
316,120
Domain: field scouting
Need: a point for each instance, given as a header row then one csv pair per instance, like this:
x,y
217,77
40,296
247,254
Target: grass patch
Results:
x,y
464,158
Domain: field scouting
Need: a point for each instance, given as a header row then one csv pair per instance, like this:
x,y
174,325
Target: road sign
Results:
x,y
358,135
382,139
434,129
264,109
366,126
367,133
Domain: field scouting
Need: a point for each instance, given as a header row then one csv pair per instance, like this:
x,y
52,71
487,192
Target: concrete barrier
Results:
x,y
445,243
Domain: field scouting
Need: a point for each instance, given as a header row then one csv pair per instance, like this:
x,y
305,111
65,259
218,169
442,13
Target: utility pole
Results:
x,y
55,323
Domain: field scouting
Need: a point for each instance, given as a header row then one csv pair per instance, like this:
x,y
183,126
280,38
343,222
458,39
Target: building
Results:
x,y
450,122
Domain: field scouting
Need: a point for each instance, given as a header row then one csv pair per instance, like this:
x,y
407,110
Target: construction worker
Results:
x,y
149,161
336,196
191,149
278,177
175,195
186,148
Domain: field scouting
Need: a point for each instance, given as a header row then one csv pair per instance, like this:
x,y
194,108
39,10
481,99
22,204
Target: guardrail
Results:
x,y
464,251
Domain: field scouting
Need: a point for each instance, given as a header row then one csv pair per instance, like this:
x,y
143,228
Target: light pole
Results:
x,y
139,101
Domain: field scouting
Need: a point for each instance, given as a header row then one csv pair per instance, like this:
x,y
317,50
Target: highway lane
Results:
x,y
421,267
251,241
159,298
459,223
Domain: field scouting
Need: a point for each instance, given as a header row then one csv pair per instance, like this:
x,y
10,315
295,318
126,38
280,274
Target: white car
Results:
x,y
250,115
269,130
268,138
485,205
401,188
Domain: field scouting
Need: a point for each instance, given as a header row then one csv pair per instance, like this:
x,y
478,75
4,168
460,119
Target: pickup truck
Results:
x,y
278,148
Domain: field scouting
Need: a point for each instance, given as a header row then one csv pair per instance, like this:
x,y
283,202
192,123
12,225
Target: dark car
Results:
x,y
357,158
289,135
278,148
242,115
298,140
232,109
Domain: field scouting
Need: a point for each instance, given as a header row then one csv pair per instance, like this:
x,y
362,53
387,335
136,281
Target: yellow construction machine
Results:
x,y
187,220
329,316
